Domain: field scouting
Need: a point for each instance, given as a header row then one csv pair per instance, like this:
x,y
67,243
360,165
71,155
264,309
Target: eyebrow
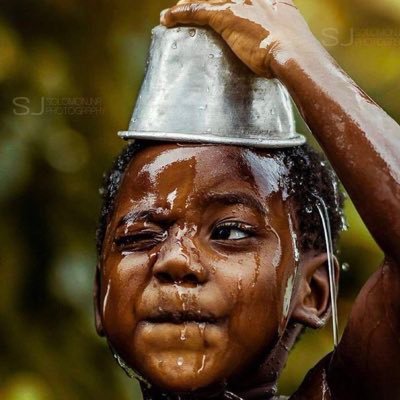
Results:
x,y
134,216
232,198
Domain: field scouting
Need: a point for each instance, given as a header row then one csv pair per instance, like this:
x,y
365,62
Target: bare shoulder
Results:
x,y
366,361
315,385
365,364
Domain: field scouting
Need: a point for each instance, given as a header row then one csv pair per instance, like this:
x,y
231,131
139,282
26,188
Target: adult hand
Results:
x,y
262,33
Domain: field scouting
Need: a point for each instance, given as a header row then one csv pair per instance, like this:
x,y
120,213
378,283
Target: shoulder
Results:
x,y
315,384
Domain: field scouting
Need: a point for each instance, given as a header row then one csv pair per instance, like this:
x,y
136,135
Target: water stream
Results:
x,y
127,369
323,212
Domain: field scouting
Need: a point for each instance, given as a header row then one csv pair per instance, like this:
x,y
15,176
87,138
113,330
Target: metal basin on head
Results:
x,y
197,90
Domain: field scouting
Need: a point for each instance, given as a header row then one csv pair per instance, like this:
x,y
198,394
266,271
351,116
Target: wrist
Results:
x,y
304,55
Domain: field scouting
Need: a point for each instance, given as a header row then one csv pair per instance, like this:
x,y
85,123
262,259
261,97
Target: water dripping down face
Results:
x,y
196,259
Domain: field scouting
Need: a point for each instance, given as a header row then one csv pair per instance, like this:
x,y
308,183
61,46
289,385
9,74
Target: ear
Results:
x,y
312,305
96,302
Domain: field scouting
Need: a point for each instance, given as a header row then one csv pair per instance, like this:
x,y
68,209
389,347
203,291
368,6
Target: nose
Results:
x,y
176,266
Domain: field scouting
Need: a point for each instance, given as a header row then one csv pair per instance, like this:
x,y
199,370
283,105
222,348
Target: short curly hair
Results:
x,y
309,177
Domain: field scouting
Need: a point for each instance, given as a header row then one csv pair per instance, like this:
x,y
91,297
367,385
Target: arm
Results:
x,y
361,141
359,138
363,144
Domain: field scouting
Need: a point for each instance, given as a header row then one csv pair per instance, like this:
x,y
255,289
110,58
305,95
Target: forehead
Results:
x,y
190,171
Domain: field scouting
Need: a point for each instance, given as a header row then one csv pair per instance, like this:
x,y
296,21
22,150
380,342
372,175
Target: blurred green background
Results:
x,y
69,74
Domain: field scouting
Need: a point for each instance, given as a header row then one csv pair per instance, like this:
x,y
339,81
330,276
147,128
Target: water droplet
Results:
x,y
288,296
211,56
106,297
174,45
345,225
192,32
179,361
276,261
293,234
128,370
203,363
183,333
309,210
180,291
202,328
257,270
345,267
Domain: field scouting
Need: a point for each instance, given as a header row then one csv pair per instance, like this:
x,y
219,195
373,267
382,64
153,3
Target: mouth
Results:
x,y
181,317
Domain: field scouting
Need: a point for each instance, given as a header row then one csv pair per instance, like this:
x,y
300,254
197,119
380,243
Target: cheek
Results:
x,y
123,281
250,283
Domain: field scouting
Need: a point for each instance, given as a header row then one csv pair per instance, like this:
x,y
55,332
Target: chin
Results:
x,y
181,373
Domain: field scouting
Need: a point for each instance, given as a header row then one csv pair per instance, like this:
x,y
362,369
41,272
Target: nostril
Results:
x,y
164,277
188,279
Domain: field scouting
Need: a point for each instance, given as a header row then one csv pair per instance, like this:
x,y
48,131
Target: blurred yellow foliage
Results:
x,y
69,75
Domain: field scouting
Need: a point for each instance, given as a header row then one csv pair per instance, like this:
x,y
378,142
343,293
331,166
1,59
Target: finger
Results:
x,y
219,2
186,13
287,3
198,13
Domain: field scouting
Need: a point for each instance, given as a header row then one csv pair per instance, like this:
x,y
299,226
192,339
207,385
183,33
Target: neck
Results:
x,y
210,393
258,383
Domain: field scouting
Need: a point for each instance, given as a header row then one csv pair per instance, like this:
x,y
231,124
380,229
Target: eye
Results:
x,y
232,231
139,241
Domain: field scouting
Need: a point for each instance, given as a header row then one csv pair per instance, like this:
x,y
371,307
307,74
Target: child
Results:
x,y
200,245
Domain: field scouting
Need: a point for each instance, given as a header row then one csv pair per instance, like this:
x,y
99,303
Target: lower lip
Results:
x,y
189,334
201,326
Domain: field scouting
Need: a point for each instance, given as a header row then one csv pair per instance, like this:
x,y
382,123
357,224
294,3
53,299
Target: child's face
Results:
x,y
197,263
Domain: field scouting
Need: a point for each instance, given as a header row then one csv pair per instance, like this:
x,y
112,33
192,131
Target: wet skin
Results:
x,y
193,257
363,144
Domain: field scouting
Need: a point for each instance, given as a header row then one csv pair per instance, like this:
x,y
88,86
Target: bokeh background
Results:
x,y
70,71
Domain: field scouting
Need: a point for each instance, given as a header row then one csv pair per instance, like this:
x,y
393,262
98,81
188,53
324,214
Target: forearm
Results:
x,y
361,141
